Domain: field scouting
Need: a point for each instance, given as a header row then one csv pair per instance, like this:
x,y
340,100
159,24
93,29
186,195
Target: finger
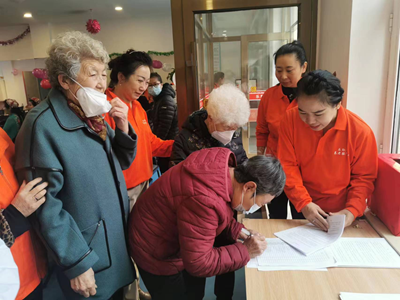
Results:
x,y
32,183
323,223
318,224
40,195
85,293
39,188
321,212
39,203
92,291
119,115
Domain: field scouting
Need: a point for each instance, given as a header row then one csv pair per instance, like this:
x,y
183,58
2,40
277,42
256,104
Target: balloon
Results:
x,y
167,67
15,72
45,83
38,73
45,74
157,64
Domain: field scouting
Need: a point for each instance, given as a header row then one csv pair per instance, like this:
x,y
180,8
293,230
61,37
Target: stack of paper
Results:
x,y
280,256
357,296
364,253
309,239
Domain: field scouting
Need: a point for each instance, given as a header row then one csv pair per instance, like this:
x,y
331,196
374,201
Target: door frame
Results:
x,y
183,23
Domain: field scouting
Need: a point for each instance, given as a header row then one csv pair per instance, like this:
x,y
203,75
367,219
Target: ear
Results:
x,y
304,68
62,80
251,185
339,105
121,78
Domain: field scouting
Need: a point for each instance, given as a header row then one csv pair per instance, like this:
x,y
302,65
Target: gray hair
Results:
x,y
265,171
67,52
228,105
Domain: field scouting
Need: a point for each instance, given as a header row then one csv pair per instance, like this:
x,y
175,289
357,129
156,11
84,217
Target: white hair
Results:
x,y
229,106
68,51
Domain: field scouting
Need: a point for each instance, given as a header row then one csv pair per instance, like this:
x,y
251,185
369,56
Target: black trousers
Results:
x,y
37,294
278,208
187,287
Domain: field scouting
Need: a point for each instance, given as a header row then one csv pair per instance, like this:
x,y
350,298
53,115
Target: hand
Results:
x,y
349,216
119,112
260,150
313,213
84,284
244,236
28,198
256,245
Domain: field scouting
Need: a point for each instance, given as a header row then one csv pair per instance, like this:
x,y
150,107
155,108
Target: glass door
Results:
x,y
241,44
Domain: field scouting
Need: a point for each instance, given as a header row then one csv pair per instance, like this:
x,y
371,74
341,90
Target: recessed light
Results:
x,y
119,8
27,15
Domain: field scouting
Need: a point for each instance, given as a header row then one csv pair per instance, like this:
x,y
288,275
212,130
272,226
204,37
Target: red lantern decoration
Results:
x,y
157,64
45,83
93,26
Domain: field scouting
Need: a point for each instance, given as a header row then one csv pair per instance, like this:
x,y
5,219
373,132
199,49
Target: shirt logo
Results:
x,y
144,122
341,152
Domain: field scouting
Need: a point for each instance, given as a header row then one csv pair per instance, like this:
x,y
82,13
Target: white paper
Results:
x,y
9,278
309,239
252,263
278,253
289,268
358,296
364,253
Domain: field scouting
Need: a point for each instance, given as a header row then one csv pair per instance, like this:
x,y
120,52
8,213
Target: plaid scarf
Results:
x,y
95,123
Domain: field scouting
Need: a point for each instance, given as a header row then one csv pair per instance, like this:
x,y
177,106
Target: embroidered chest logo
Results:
x,y
144,122
341,152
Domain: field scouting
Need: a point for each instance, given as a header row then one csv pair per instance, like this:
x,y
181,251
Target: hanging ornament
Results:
x,y
38,73
16,39
93,26
167,67
45,83
157,64
45,74
14,72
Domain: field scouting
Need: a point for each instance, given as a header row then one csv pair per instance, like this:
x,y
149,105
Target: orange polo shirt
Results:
x,y
148,145
31,265
335,171
272,108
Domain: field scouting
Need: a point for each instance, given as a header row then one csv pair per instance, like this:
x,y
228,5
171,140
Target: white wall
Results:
x,y
333,47
369,62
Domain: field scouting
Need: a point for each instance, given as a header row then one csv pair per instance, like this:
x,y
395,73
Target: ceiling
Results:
x,y
62,11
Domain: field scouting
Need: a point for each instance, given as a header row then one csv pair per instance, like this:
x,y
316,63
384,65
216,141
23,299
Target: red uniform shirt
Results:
x,y
335,171
272,108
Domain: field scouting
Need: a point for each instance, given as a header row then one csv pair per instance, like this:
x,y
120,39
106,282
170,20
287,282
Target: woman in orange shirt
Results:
x,y
130,74
290,65
329,154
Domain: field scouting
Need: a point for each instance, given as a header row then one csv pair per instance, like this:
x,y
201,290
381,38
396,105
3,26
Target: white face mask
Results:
x,y
93,102
252,209
223,136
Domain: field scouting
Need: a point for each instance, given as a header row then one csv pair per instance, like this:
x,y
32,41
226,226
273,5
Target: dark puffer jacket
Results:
x,y
164,114
174,224
195,136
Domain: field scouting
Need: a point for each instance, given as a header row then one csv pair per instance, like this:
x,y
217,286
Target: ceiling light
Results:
x,y
27,15
119,8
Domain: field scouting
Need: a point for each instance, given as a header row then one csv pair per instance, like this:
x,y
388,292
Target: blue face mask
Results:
x,y
155,90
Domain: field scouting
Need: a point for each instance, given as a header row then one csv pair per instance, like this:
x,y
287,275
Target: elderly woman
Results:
x,y
176,222
65,141
218,126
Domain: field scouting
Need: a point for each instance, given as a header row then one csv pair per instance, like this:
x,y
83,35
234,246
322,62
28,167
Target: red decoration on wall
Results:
x,y
45,83
16,39
93,26
157,64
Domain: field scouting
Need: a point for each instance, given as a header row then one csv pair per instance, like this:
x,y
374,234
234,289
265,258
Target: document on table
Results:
x,y
359,296
364,253
280,254
309,239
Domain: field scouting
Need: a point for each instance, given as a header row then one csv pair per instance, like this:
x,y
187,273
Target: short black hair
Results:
x,y
155,74
218,76
295,48
265,171
320,82
128,63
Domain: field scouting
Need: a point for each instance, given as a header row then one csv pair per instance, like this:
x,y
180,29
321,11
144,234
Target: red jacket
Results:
x,y
174,223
